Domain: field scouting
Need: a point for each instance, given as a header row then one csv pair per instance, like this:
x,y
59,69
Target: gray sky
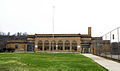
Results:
x,y
71,16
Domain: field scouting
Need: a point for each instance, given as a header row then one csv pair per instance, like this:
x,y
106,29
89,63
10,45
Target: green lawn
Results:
x,y
46,62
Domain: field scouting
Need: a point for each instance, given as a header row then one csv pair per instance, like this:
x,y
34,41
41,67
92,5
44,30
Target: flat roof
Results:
x,y
59,35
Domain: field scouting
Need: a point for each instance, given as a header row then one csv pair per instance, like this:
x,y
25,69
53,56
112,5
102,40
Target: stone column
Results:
x,y
83,50
78,48
70,46
56,45
63,45
43,46
25,48
90,48
36,45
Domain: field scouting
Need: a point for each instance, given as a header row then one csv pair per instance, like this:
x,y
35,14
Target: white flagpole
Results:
x,y
53,24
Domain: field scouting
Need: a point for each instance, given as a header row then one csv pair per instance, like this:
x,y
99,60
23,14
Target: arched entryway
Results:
x,y
40,45
46,45
74,45
60,45
53,45
67,45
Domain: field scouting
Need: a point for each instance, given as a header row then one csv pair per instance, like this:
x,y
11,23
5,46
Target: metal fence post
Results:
x,y
118,41
105,44
110,46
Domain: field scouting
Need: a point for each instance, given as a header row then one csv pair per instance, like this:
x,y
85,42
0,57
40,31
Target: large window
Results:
x,y
74,45
60,45
39,45
46,45
53,45
30,46
67,45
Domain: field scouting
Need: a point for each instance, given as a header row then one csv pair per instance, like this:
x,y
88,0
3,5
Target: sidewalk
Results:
x,y
108,64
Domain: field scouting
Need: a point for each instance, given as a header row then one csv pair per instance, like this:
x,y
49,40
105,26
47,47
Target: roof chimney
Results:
x,y
89,31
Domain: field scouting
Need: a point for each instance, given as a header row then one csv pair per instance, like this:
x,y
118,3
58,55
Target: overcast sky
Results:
x,y
71,16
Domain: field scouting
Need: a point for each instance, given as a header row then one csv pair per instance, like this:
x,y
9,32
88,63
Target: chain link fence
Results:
x,y
107,45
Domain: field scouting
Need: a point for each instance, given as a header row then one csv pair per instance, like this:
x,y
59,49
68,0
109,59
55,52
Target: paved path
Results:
x,y
108,64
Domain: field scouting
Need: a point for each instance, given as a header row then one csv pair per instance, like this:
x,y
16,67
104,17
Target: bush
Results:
x,y
10,49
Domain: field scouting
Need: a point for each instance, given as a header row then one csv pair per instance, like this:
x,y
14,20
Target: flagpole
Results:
x,y
53,19
53,26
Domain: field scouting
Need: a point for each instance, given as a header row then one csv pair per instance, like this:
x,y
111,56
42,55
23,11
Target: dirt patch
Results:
x,y
14,61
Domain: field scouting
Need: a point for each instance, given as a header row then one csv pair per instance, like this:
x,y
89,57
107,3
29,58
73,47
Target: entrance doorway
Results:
x,y
30,48
85,48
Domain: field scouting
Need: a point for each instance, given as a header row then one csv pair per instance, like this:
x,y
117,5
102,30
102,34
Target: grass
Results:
x,y
47,62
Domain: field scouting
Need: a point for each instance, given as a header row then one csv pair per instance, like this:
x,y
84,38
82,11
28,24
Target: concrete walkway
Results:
x,y
108,64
